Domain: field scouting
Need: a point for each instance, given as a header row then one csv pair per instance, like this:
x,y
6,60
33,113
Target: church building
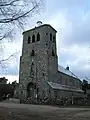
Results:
x,y
39,73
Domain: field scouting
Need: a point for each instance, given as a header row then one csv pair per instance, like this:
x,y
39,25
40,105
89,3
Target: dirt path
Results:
x,y
10,111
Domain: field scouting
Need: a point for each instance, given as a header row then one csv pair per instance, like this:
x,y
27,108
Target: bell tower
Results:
x,y
38,63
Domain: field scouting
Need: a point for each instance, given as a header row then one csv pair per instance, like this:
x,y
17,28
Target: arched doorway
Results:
x,y
31,90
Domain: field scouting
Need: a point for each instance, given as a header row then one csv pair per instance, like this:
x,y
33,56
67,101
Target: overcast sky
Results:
x,y
71,19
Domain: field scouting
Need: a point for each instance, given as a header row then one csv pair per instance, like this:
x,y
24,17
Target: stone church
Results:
x,y
39,73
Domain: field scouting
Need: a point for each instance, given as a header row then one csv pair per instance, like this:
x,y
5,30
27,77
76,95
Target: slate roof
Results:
x,y
67,72
63,87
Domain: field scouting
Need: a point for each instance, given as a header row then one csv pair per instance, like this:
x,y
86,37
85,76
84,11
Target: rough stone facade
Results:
x,y
39,64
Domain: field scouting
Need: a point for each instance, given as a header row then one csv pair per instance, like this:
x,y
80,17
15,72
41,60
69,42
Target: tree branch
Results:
x,y
7,4
21,16
12,55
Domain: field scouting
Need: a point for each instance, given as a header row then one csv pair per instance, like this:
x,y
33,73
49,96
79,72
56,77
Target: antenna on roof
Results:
x,y
39,23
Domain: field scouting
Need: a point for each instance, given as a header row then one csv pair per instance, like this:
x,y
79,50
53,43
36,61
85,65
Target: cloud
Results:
x,y
72,20
80,32
77,58
70,31
73,38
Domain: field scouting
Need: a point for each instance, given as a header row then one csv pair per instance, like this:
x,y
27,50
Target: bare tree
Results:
x,y
14,14
6,62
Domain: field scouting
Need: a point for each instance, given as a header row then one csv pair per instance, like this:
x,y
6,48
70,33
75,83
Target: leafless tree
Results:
x,y
14,14
11,59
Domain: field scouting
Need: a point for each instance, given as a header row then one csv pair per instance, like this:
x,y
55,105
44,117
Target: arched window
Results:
x,y
38,37
29,40
33,38
53,54
32,53
50,36
43,74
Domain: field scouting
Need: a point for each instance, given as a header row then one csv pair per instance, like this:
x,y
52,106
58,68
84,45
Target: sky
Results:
x,y
71,19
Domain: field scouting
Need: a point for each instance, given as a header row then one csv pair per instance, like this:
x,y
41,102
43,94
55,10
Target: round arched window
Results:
x,y
29,40
33,38
38,37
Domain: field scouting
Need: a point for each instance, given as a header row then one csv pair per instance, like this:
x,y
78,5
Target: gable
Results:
x,y
67,72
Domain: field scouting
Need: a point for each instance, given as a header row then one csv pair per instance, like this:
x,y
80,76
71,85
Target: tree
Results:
x,y
15,84
6,89
3,80
14,15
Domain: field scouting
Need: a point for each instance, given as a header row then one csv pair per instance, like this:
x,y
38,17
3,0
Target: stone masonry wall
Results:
x,y
45,65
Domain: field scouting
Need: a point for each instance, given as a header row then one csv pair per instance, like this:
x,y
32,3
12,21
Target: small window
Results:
x,y
21,92
50,36
33,38
46,44
29,40
33,53
46,33
54,38
53,54
43,74
38,37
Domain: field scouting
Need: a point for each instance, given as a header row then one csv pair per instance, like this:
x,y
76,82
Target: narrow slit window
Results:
x,y
29,40
32,53
53,54
38,37
54,38
50,36
33,38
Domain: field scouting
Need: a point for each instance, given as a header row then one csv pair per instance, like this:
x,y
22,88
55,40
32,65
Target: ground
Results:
x,y
14,111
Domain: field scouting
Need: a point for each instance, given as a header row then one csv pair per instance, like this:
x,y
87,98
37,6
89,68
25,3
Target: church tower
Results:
x,y
38,63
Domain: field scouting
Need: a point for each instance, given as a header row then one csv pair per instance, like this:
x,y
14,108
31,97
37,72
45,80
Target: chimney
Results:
x,y
67,68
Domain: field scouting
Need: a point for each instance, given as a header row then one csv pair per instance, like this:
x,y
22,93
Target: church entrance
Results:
x,y
31,90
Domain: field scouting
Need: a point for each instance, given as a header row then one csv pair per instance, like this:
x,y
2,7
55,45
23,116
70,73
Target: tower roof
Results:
x,y
39,27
